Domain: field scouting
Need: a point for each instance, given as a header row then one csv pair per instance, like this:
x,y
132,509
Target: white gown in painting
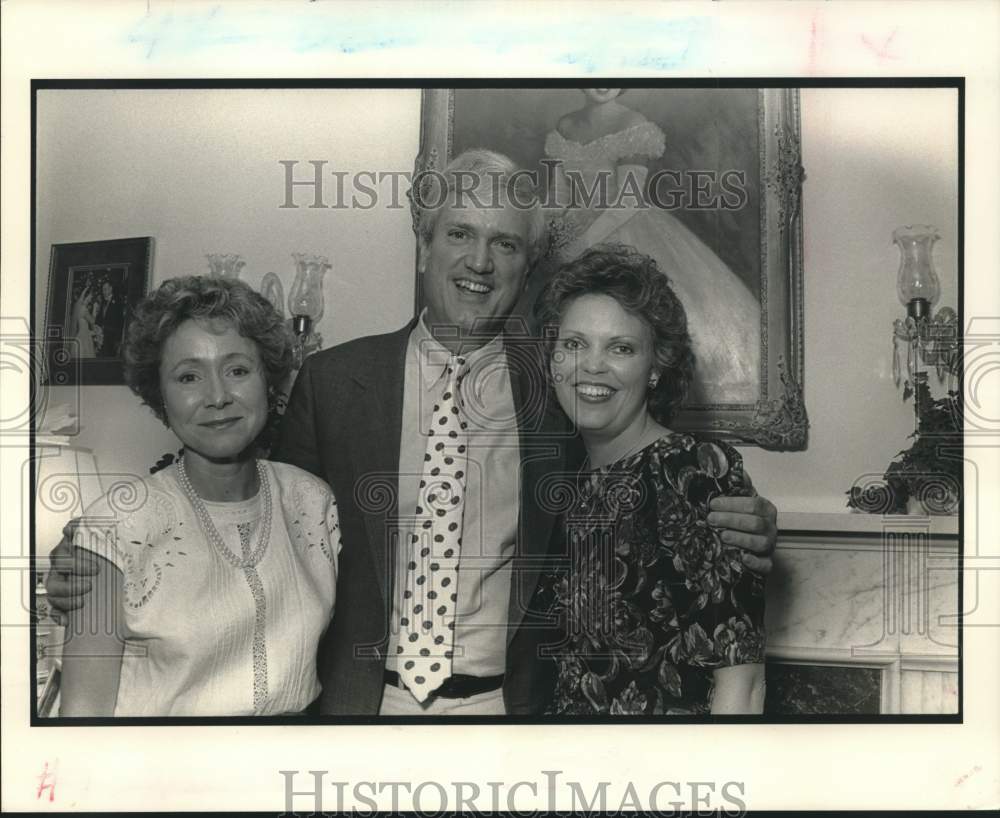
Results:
x,y
82,328
723,314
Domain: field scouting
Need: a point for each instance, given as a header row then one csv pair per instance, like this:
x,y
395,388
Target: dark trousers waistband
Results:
x,y
458,686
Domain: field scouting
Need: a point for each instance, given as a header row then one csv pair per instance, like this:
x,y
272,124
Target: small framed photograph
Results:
x,y
93,288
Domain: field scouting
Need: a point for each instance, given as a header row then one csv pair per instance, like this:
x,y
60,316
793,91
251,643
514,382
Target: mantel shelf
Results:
x,y
874,524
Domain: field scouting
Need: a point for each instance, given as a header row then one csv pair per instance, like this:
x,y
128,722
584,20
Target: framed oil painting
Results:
x,y
93,288
707,181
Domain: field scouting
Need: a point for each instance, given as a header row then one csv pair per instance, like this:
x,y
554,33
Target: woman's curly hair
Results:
x,y
209,298
636,282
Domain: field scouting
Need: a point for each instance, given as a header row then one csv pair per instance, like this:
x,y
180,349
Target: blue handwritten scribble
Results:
x,y
314,29
172,34
678,43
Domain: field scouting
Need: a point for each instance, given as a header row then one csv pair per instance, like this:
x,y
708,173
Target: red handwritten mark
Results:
x,y
968,775
812,46
882,51
47,781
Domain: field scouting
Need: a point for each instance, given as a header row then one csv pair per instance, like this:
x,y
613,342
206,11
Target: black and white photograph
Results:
x,y
489,510
575,420
485,512
92,288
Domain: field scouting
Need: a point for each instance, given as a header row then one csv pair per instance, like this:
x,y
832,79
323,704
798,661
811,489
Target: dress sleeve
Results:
x,y
100,532
333,526
310,510
736,481
643,140
555,144
722,623
127,526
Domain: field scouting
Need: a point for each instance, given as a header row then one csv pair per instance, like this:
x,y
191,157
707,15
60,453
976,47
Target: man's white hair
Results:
x,y
506,179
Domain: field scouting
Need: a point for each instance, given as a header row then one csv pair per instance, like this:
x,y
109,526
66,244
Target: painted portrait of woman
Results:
x,y
671,172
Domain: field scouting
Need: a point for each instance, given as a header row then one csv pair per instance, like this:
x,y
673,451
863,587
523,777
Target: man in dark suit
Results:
x,y
359,416
345,423
111,319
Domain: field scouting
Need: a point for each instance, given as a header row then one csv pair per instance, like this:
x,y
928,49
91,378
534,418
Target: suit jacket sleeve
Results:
x,y
297,441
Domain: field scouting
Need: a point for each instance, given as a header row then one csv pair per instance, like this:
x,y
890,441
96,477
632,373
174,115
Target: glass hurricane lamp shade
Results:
x,y
305,301
917,284
928,337
225,265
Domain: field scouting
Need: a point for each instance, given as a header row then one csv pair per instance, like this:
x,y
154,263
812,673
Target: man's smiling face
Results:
x,y
475,264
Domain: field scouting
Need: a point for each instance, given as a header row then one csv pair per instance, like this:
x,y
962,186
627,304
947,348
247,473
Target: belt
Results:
x,y
457,686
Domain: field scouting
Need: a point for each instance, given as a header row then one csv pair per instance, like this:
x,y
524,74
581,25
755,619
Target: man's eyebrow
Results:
x,y
461,225
471,228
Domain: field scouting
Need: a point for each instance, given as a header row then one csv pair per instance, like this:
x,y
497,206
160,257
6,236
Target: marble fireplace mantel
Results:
x,y
799,522
870,593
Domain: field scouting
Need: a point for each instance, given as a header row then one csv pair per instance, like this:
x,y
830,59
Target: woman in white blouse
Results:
x,y
217,574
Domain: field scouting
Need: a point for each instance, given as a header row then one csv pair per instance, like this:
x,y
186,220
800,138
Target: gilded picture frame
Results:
x,y
729,174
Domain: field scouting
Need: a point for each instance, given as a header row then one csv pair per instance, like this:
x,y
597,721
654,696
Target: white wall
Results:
x,y
198,171
875,159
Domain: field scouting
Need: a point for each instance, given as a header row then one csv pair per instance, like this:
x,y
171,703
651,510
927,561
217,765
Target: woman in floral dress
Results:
x,y
661,615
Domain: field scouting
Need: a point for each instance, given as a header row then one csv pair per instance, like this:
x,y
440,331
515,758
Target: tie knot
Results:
x,y
455,368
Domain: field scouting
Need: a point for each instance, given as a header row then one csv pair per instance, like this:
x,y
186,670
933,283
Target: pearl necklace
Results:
x,y
209,529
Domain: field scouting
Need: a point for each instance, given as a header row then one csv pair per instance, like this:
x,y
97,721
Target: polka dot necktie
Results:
x,y
427,620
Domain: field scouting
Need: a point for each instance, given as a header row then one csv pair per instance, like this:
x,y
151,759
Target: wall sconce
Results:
x,y
929,338
225,265
273,290
305,302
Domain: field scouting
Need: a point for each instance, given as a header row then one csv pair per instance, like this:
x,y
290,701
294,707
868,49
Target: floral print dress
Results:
x,y
652,599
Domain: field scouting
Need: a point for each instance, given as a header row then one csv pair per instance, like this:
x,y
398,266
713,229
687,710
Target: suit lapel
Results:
x,y
376,447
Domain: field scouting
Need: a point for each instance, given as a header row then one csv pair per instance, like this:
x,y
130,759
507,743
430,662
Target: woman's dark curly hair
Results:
x,y
636,282
180,299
